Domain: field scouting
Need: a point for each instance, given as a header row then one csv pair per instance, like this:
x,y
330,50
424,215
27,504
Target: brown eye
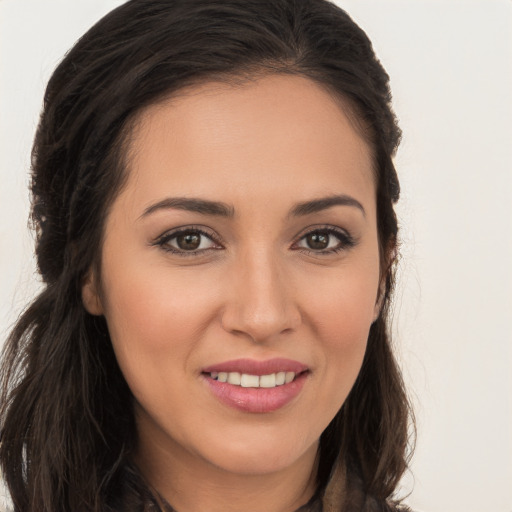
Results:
x,y
325,241
318,240
188,241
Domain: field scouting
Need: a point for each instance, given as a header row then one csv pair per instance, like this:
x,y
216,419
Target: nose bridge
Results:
x,y
263,304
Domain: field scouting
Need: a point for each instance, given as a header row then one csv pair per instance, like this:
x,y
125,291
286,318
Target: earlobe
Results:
x,y
376,311
383,291
379,302
90,296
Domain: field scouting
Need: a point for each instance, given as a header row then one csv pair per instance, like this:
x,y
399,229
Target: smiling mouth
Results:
x,y
246,380
254,386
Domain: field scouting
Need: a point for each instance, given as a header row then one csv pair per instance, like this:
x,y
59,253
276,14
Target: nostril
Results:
x,y
258,328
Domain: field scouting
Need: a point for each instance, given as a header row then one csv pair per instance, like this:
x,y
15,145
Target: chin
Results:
x,y
260,457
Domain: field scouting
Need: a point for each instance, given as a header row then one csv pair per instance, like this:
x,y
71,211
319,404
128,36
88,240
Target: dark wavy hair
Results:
x,y
66,416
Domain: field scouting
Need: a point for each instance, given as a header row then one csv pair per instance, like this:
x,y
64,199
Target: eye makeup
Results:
x,y
186,241
324,240
189,241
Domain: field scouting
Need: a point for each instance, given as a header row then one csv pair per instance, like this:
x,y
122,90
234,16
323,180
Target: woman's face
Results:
x,y
243,247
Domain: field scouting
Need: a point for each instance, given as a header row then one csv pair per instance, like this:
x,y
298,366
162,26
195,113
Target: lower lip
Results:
x,y
256,400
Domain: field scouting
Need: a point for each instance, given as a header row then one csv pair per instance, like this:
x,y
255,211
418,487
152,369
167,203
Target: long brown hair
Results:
x,y
66,418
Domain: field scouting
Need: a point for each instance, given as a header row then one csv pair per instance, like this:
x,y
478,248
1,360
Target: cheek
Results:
x,y
346,321
344,332
155,317
345,348
341,313
342,303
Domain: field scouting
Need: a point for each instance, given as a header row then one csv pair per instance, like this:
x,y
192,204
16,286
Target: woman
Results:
x,y
213,194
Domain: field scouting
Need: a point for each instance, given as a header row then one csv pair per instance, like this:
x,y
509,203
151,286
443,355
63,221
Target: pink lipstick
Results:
x,y
256,386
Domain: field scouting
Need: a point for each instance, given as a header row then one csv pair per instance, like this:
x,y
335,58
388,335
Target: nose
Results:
x,y
262,302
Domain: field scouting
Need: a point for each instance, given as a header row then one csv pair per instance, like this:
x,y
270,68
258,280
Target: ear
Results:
x,y
381,292
380,300
90,296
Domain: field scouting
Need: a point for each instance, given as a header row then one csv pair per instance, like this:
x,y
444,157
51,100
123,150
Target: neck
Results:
x,y
191,484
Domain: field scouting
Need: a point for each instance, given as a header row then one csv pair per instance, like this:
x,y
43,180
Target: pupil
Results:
x,y
318,240
189,241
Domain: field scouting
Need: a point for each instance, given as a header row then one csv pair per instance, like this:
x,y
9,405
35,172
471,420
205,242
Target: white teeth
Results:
x,y
268,381
234,378
289,377
250,381
254,381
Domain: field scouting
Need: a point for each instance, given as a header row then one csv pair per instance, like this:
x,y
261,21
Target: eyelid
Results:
x,y
165,237
347,240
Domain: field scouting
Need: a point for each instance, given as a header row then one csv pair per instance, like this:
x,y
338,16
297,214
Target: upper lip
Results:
x,y
255,367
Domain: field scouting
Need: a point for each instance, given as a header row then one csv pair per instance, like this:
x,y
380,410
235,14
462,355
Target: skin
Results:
x,y
257,291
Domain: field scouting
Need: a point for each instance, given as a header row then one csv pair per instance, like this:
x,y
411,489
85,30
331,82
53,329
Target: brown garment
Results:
x,y
334,496
336,499
343,493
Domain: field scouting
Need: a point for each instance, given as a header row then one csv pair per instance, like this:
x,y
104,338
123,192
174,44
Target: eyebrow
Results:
x,y
323,203
207,207
202,206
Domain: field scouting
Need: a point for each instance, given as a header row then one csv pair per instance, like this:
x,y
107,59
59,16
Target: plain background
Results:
x,y
451,73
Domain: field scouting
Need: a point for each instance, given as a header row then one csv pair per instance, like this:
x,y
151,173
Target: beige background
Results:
x,y
451,67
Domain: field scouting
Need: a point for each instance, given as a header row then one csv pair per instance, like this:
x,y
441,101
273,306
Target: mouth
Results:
x,y
256,386
247,380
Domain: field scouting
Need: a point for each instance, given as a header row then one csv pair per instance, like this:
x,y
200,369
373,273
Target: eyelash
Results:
x,y
346,241
163,241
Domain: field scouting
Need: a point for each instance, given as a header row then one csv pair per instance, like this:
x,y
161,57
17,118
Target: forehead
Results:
x,y
218,138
